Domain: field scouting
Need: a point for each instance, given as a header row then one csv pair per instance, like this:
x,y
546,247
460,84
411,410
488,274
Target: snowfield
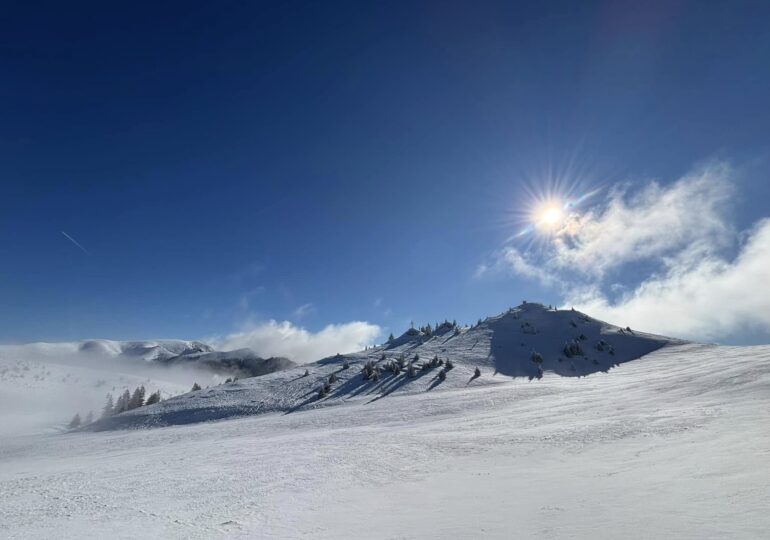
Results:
x,y
674,444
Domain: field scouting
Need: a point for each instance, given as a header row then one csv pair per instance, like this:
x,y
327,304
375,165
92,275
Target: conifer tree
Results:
x,y
137,398
195,387
109,407
75,422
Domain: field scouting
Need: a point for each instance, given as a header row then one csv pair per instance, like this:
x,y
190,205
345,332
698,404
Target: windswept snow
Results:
x,y
673,444
501,347
42,385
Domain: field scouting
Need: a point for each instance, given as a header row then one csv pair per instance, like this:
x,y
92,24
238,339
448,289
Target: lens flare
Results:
x,y
549,216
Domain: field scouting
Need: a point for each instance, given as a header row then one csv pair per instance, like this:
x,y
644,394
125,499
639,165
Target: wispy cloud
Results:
x,y
248,296
679,236
68,237
273,338
303,311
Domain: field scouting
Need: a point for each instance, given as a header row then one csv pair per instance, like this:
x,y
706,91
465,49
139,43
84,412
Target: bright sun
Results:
x,y
549,217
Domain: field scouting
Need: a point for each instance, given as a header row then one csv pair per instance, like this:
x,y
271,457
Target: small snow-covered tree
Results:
x,y
109,407
391,337
75,422
137,398
195,387
448,365
153,398
121,405
442,375
89,417
410,372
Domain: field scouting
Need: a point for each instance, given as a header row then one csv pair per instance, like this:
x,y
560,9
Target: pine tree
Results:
x,y
390,337
442,375
109,407
195,387
137,398
75,422
124,400
410,372
153,398
89,417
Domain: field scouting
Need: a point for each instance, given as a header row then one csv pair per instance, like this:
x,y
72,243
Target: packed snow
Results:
x,y
659,439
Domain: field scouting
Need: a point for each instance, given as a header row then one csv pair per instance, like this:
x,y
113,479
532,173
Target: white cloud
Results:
x,y
510,259
708,299
656,222
274,338
303,311
246,298
681,235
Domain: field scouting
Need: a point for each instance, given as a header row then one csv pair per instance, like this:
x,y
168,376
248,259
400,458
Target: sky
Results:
x,y
308,177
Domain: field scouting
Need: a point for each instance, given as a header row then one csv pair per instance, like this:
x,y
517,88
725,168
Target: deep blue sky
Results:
x,y
231,160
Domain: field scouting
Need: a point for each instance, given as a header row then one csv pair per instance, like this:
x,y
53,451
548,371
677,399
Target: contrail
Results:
x,y
75,242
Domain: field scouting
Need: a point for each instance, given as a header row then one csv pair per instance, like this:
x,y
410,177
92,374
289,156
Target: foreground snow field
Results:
x,y
675,444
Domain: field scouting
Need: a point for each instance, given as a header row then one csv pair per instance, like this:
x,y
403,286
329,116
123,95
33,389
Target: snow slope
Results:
x,y
42,385
674,445
502,347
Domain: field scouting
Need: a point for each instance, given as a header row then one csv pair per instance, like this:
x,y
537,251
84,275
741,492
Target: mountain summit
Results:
x,y
529,341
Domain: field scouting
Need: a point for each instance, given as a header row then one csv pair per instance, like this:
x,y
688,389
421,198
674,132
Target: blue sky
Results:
x,y
229,164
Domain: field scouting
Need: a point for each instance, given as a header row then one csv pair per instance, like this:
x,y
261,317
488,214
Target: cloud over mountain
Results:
x,y
705,278
273,338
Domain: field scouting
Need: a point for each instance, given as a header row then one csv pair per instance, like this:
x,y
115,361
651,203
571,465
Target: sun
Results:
x,y
549,216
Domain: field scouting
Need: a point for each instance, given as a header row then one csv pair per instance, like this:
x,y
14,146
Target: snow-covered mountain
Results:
x,y
44,384
672,444
238,363
528,341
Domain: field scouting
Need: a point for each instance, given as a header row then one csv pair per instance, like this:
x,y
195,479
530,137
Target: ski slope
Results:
x,y
501,347
674,444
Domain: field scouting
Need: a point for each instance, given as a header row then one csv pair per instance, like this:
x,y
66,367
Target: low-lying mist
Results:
x,y
42,386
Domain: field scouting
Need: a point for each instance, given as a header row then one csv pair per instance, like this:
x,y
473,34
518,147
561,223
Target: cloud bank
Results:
x,y
274,338
704,279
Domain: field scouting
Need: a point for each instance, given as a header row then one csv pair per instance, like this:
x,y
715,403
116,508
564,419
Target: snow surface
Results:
x,y
672,445
501,345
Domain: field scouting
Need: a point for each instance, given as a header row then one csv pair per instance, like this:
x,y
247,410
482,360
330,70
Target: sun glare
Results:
x,y
549,217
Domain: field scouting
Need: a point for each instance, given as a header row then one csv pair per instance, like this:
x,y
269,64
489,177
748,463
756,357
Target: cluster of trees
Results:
x,y
573,348
77,421
604,346
372,370
125,402
128,401
429,330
